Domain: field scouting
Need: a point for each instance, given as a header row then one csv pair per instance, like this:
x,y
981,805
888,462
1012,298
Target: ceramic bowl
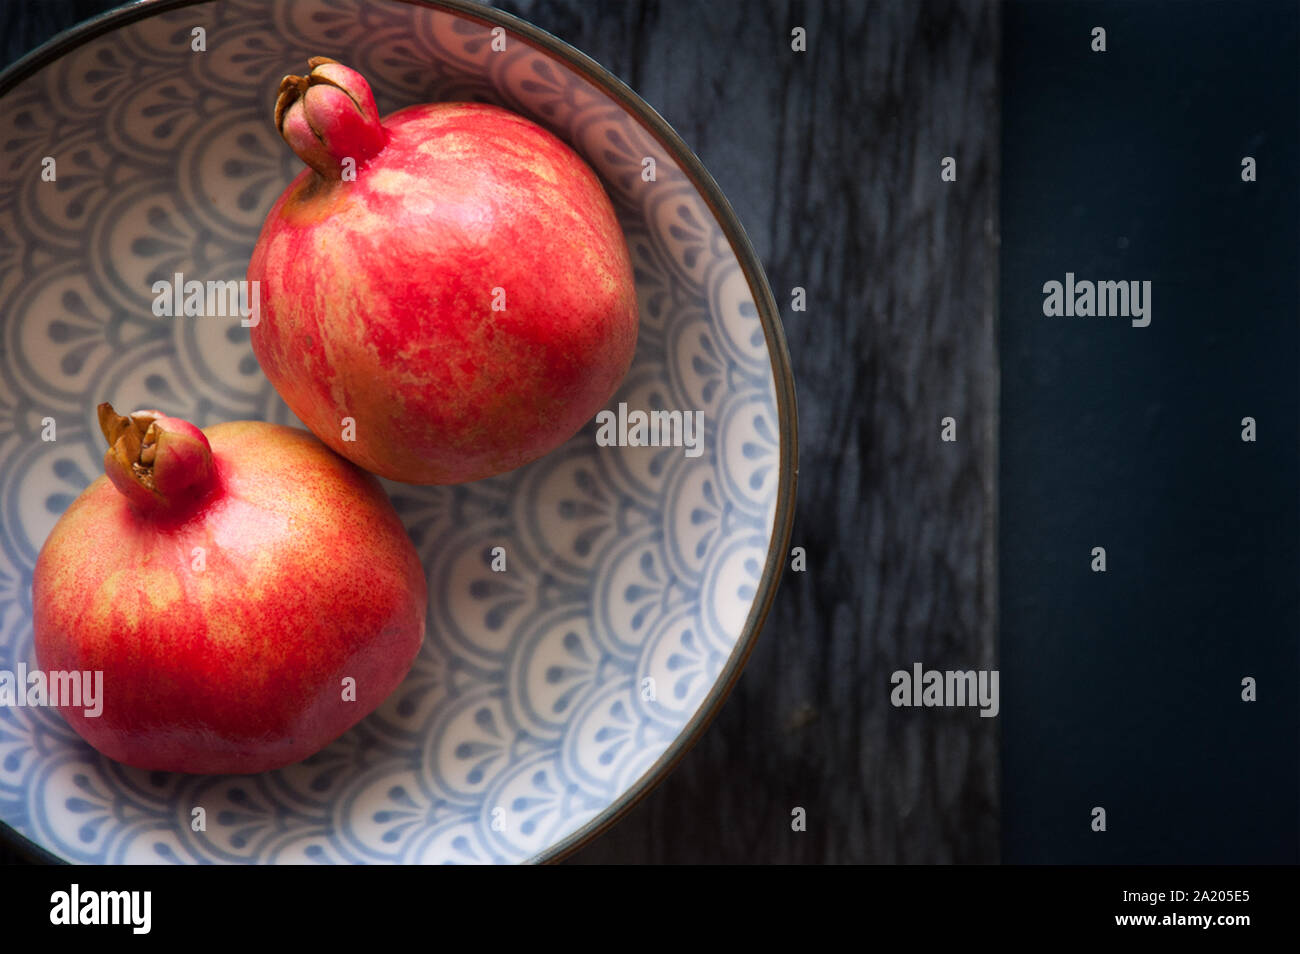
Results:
x,y
547,699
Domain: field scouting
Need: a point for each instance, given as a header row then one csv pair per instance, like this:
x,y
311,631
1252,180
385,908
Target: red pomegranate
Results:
x,y
446,294
247,594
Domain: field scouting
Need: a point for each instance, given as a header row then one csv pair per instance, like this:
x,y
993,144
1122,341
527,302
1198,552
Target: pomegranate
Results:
x,y
445,294
247,594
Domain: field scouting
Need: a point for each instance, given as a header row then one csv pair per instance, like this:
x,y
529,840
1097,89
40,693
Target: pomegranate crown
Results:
x,y
329,117
161,464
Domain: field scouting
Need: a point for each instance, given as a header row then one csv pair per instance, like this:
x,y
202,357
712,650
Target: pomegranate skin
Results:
x,y
468,301
232,659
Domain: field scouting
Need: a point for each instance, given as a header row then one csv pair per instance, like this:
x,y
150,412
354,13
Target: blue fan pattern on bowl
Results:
x,y
542,693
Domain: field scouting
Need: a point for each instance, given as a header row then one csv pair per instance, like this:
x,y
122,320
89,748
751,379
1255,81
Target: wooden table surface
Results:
x,y
832,159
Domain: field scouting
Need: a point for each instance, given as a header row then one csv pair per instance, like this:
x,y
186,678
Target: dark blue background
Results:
x,y
1122,689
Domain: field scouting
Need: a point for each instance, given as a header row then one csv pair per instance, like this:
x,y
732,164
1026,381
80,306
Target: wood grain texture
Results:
x,y
831,159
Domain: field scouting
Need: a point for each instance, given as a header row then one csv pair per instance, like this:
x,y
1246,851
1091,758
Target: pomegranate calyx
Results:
x,y
132,441
160,464
329,116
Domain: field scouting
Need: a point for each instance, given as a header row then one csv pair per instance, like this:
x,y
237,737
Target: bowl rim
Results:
x,y
769,317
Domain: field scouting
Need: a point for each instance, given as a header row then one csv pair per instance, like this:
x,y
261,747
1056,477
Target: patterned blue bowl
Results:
x,y
548,698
